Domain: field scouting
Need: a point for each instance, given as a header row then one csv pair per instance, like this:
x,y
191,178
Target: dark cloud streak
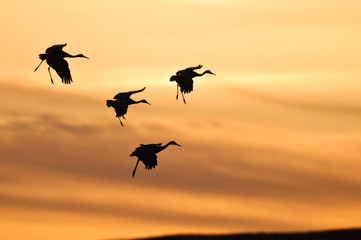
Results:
x,y
134,212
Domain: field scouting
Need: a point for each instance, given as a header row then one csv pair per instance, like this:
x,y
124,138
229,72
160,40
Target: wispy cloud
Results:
x,y
308,102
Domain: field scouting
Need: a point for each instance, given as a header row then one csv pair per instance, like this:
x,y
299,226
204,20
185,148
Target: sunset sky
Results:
x,y
271,143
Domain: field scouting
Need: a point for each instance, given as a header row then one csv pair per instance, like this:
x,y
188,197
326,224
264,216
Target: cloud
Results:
x,y
313,103
77,161
47,122
236,169
132,211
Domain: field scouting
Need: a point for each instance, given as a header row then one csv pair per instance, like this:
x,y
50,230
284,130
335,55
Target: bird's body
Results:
x,y
121,102
185,84
61,67
147,153
54,57
184,79
120,107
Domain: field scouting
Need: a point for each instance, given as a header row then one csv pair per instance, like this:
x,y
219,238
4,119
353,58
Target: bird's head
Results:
x,y
81,55
209,72
173,78
144,101
174,143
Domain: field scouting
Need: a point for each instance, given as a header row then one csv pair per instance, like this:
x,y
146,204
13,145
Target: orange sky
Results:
x,y
271,143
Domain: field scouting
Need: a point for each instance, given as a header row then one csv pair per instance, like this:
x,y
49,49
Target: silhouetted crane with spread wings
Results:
x,y
184,79
122,101
54,56
147,154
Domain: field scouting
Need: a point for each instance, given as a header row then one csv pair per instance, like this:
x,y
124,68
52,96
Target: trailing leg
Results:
x,y
38,65
51,78
120,122
184,100
136,165
176,97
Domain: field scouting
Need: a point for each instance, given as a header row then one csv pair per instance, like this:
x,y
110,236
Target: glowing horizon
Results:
x,y
271,143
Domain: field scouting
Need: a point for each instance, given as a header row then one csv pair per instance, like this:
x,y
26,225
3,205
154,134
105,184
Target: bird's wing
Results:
x,y
186,85
61,67
151,145
124,95
55,48
188,70
148,157
120,107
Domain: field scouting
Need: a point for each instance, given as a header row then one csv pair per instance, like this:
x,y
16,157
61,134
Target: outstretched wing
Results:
x,y
61,67
188,70
125,95
152,146
55,48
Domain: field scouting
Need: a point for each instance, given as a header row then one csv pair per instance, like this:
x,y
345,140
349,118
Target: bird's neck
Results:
x,y
200,74
71,56
161,148
131,101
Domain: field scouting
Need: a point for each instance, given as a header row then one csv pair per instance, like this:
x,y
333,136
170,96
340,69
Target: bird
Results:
x,y
54,56
121,102
184,79
147,153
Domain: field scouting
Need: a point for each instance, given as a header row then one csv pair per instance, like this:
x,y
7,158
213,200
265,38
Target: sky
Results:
x,y
271,143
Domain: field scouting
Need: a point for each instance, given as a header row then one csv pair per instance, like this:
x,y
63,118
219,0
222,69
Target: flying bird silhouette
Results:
x,y
54,56
184,79
122,101
147,154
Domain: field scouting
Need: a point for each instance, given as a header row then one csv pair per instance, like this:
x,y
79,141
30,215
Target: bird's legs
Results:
x,y
176,97
120,122
184,100
136,165
38,65
51,78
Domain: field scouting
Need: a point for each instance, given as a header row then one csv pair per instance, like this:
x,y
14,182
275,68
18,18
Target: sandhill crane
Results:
x,y
147,154
184,79
54,56
122,101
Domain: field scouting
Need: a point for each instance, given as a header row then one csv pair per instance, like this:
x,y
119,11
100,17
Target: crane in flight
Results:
x,y
147,154
54,56
121,101
184,79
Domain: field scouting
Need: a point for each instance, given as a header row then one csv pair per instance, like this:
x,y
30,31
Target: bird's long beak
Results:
x,y
88,58
178,145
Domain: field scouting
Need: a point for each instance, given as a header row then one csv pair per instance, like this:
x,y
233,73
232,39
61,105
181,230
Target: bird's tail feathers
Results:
x,y
135,152
67,80
42,56
150,166
110,103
